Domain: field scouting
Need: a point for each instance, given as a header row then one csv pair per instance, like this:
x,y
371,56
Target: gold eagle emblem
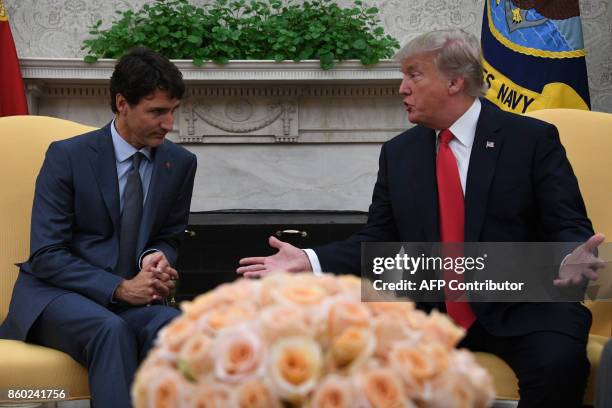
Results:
x,y
3,14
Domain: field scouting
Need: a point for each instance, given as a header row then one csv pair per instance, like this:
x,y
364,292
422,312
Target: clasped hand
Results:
x,y
153,283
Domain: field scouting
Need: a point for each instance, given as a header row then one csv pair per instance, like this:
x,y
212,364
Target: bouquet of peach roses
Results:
x,y
306,341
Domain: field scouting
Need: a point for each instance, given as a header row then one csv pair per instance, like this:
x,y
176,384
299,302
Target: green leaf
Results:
x,y
194,40
90,59
360,44
327,58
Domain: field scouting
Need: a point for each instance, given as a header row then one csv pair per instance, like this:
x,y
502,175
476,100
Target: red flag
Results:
x,y
12,94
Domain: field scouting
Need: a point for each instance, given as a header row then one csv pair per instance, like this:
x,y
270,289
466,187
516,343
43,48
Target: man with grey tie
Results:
x,y
110,209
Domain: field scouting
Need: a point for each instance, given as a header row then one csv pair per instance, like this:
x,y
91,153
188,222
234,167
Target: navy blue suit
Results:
x,y
521,190
62,296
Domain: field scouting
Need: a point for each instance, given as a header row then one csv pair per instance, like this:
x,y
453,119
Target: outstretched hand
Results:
x,y
581,263
288,259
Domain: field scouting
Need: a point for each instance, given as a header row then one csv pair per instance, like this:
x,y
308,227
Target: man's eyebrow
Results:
x,y
410,67
163,108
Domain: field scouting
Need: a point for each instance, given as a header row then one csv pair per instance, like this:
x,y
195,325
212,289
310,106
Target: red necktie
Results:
x,y
452,213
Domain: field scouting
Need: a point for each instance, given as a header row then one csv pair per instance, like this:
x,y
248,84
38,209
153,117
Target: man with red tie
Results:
x,y
469,172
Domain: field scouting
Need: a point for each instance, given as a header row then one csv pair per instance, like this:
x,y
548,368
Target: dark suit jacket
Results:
x,y
522,190
74,243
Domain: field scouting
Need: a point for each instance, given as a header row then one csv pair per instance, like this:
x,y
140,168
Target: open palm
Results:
x,y
288,259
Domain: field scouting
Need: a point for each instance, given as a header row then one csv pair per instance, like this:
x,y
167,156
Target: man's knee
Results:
x,y
557,376
114,327
566,361
161,317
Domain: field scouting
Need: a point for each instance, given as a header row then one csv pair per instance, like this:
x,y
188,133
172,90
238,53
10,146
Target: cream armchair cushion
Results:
x,y
23,143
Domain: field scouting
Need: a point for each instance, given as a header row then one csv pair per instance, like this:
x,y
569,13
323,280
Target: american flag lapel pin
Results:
x,y
168,165
490,145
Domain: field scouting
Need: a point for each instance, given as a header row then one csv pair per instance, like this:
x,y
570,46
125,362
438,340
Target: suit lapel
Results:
x,y
483,160
421,173
162,168
105,169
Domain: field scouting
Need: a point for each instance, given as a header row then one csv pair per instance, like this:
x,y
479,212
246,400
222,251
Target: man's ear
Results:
x,y
456,85
121,103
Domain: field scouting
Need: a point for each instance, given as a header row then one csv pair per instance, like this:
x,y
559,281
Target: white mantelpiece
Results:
x,y
75,69
267,135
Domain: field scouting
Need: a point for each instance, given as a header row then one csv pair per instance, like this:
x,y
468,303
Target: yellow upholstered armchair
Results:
x,y
23,142
587,137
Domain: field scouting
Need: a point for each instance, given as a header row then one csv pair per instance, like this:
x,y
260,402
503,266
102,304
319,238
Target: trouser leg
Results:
x,y
97,338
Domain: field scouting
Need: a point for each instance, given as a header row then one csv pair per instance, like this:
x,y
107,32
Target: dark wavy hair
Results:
x,y
140,72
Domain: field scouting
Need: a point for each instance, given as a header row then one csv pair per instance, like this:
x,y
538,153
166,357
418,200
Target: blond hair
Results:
x,y
457,54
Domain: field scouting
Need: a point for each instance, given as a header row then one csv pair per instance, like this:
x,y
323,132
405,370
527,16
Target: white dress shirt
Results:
x,y
464,130
123,161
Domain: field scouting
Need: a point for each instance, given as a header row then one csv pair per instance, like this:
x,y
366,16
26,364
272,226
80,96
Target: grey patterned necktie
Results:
x,y
130,220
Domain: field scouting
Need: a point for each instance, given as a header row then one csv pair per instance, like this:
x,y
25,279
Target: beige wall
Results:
x,y
56,28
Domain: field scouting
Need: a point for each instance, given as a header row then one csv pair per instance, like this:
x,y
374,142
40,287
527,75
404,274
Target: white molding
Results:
x,y
75,69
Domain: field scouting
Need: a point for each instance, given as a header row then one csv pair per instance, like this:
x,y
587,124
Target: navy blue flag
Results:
x,y
533,55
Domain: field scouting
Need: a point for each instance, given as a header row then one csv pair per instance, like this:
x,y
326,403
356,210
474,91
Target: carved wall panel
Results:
x,y
239,120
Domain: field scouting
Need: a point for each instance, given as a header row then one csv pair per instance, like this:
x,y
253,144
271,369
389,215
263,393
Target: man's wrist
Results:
x,y
118,293
147,252
313,259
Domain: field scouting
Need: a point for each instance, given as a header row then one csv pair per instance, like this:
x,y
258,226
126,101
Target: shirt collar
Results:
x,y
124,150
464,128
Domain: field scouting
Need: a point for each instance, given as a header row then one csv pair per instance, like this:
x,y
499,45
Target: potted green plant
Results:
x,y
247,30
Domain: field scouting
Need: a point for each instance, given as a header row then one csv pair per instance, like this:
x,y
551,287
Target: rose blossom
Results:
x,y
344,313
211,394
451,391
400,309
238,354
464,364
350,284
440,327
195,357
300,295
334,392
164,389
279,321
388,330
256,394
173,335
294,367
226,315
463,384
330,283
240,289
351,348
403,311
302,289
382,388
418,364
205,303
